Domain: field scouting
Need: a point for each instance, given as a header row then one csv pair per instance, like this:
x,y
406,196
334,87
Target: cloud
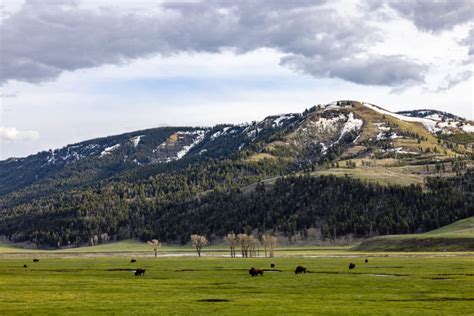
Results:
x,y
13,134
451,81
314,37
7,95
382,70
469,42
435,15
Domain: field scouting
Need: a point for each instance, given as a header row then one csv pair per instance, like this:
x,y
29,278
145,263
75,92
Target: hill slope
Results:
x,y
458,236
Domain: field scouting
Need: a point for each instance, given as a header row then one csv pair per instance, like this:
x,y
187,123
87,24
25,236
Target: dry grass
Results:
x,y
379,175
261,156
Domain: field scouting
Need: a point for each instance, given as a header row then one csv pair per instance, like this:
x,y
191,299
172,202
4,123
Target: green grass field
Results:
x,y
392,285
100,280
458,236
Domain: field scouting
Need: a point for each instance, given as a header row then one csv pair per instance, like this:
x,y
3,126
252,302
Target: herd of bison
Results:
x,y
252,271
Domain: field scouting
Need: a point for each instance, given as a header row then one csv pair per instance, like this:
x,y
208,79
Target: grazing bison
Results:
x,y
366,260
25,266
255,272
140,272
272,265
300,269
133,260
351,266
36,260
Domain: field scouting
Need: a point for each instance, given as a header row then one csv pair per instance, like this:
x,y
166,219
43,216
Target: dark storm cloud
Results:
x,y
42,41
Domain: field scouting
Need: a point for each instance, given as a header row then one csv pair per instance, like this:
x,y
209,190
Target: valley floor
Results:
x,y
90,283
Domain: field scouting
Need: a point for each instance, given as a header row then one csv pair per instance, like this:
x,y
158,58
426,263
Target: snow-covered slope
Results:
x,y
434,121
429,124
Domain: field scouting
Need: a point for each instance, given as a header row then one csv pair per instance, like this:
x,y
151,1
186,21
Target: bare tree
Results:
x,y
252,246
104,238
232,239
155,244
269,244
198,242
244,244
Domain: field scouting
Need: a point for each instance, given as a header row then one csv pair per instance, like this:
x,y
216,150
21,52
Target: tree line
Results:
x,y
292,205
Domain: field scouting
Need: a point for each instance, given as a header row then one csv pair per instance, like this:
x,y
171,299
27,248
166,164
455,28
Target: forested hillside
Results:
x,y
345,168
170,208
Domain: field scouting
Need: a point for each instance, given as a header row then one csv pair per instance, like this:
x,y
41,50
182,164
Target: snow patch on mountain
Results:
x,y
220,133
328,125
136,140
282,118
251,133
200,134
352,125
468,128
427,123
172,150
399,150
108,150
434,117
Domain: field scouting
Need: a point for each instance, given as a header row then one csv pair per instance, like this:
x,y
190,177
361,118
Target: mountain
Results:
x,y
362,129
165,168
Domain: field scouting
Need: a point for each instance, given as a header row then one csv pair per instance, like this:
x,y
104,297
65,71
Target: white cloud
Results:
x,y
13,134
321,34
145,64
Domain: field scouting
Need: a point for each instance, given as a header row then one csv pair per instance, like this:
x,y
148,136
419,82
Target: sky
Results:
x,y
80,69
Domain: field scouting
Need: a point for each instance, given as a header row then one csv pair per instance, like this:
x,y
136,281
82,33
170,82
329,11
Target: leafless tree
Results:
x,y
253,246
198,242
269,244
155,244
232,239
244,244
104,238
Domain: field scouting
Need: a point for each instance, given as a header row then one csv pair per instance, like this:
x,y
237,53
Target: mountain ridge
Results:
x,y
422,113
303,138
171,169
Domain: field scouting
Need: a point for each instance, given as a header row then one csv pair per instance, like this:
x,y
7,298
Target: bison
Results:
x,y
139,272
366,260
133,260
351,266
255,272
25,266
36,260
300,269
272,265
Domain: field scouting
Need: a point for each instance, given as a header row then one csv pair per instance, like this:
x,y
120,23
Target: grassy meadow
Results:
x,y
100,279
458,236
82,282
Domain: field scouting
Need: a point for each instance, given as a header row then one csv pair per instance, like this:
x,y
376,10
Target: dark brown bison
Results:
x,y
25,266
139,272
272,265
366,260
351,266
300,269
36,260
133,260
255,272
